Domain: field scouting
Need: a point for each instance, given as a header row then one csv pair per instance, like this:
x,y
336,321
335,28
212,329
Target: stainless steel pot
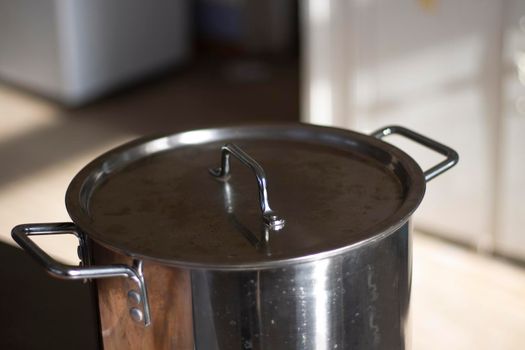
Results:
x,y
208,264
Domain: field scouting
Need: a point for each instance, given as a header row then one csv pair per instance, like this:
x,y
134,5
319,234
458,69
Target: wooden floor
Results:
x,y
460,300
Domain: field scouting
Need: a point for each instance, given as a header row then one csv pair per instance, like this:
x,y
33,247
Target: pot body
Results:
x,y
167,246
356,300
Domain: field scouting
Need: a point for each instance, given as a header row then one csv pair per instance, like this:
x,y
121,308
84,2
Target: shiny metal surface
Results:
x,y
154,199
223,172
452,156
134,273
358,300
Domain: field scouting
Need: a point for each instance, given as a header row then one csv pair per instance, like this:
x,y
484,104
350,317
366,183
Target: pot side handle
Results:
x,y
21,235
452,156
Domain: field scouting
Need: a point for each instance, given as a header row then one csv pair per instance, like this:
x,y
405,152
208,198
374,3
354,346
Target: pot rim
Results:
x,y
77,192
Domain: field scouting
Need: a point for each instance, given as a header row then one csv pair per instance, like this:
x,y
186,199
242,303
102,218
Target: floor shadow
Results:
x,y
197,97
41,312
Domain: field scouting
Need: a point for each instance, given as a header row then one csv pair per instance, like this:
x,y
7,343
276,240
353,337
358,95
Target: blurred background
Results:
x,y
79,77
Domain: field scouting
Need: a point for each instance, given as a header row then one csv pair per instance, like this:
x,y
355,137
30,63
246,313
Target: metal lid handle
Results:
x,y
269,216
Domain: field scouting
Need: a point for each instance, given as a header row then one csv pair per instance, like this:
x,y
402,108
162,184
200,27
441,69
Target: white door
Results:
x,y
429,65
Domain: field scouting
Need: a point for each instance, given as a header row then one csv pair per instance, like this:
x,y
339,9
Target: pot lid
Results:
x,y
275,194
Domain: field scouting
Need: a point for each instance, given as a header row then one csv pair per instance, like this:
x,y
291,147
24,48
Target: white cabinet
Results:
x,y
436,67
510,237
77,50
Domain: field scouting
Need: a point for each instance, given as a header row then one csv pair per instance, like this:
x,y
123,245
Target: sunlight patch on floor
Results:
x,y
462,300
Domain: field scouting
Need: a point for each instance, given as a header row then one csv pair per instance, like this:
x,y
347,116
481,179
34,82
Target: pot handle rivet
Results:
x,y
136,314
134,297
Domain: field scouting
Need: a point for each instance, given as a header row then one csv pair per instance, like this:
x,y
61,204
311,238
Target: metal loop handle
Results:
x,y
21,235
451,156
269,216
